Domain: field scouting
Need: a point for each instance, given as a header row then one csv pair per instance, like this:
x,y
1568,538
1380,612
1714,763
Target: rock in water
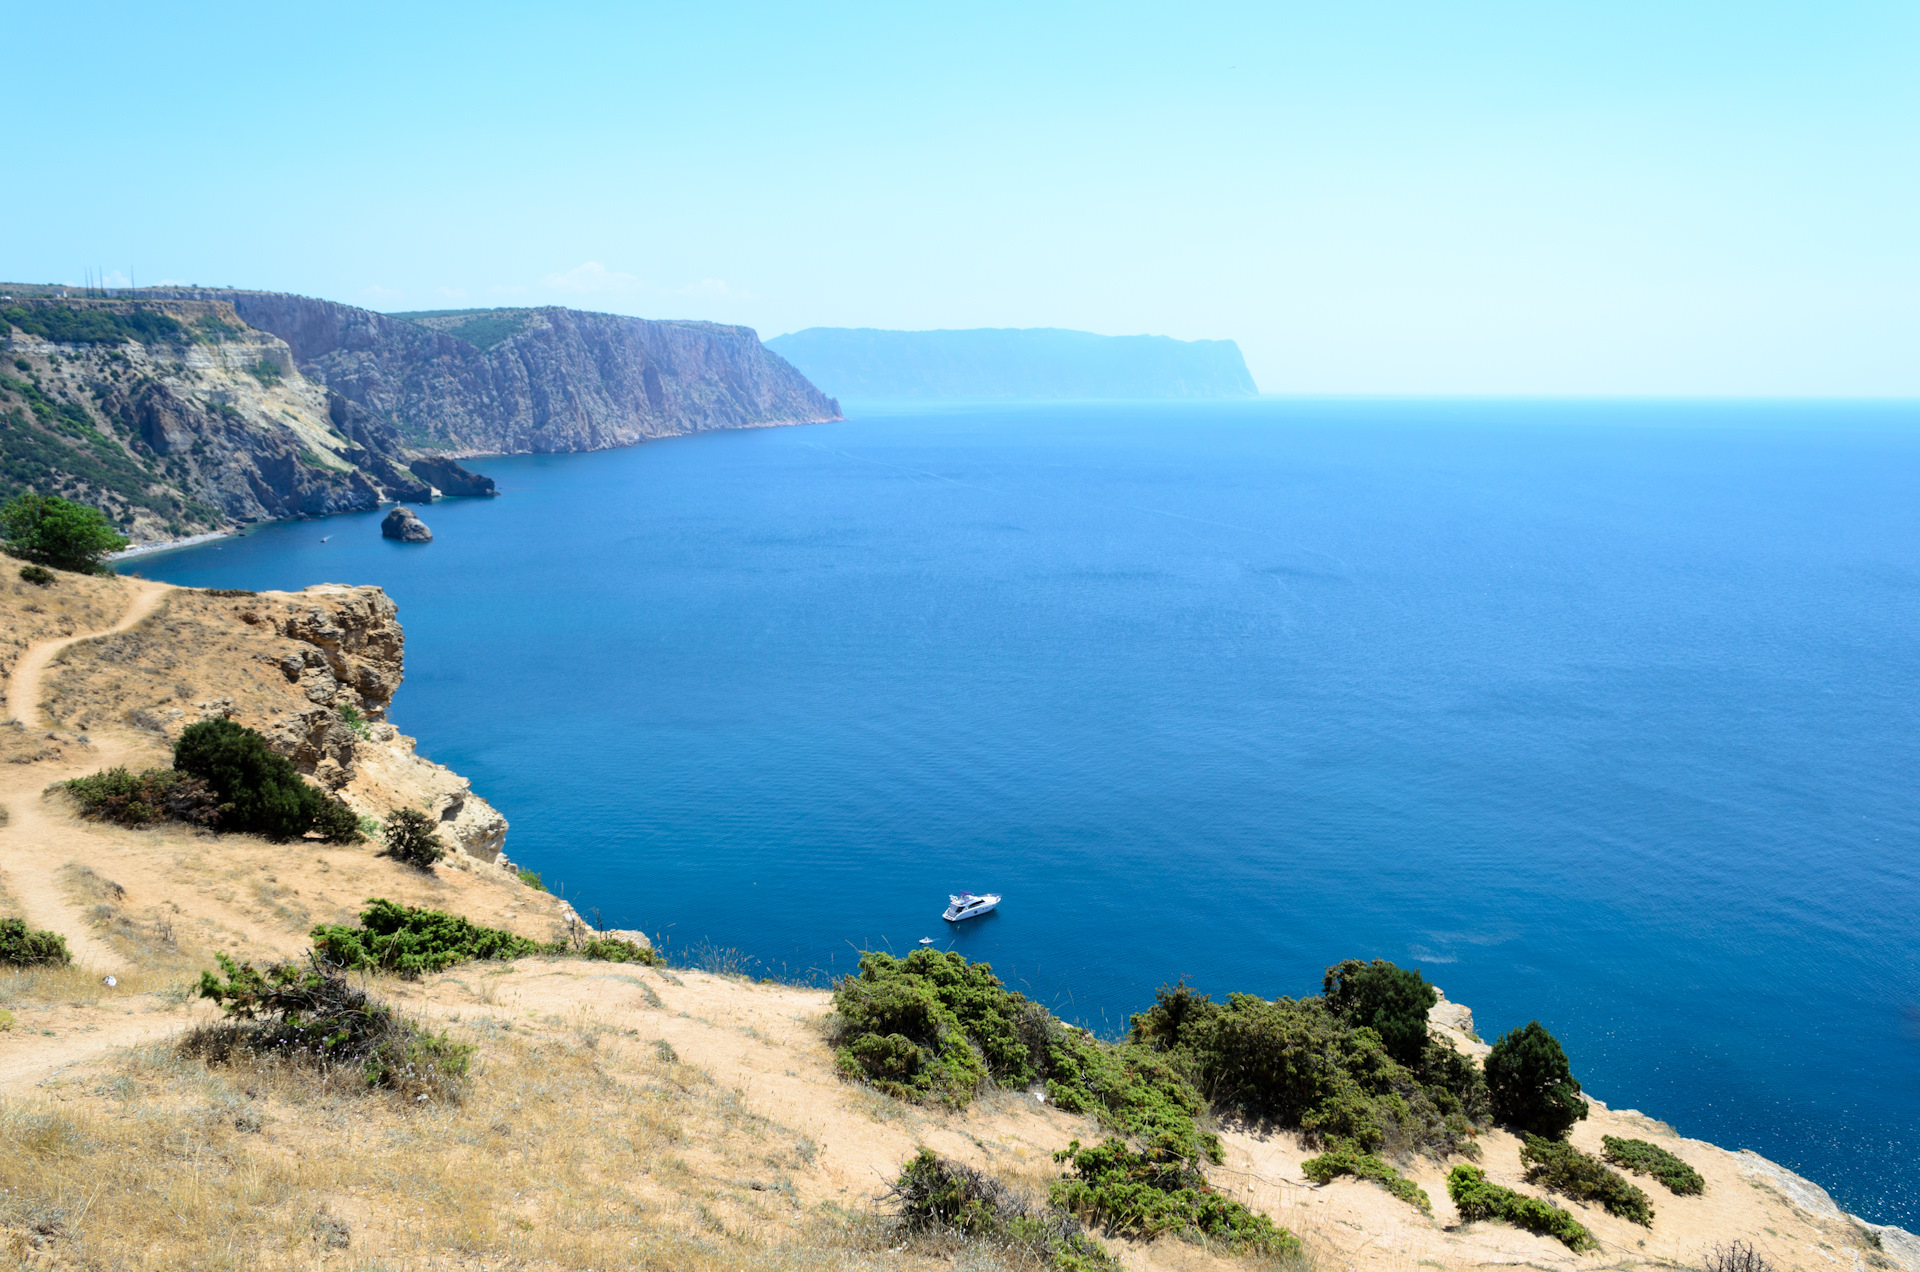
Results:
x,y
401,524
450,478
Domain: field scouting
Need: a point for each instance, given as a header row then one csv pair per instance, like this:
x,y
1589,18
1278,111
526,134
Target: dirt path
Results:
x,y
33,843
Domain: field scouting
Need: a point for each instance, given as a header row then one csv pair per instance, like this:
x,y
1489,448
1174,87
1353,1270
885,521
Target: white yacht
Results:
x,y
968,906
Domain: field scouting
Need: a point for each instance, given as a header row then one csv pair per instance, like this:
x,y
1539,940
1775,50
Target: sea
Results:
x,y
1598,713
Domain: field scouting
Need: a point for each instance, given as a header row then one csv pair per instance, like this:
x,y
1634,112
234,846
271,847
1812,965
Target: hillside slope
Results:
x,y
175,418
511,381
1026,363
179,412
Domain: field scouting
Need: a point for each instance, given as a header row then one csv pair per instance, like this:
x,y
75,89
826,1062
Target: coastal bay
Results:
x,y
1595,712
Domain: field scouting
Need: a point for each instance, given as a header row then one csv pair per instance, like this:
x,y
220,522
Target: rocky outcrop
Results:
x,y
203,424
315,672
450,478
537,380
179,411
403,525
347,662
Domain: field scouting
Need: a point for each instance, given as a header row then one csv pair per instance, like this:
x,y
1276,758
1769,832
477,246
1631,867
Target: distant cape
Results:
x,y
1035,362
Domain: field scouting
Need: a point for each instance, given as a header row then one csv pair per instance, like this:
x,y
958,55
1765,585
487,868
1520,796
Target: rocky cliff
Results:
x,y
175,418
314,671
181,411
510,381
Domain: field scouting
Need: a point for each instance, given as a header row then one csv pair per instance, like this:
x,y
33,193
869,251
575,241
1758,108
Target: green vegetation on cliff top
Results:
x,y
935,1028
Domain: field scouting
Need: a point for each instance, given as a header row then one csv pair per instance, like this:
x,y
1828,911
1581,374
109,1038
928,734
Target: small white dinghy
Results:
x,y
968,906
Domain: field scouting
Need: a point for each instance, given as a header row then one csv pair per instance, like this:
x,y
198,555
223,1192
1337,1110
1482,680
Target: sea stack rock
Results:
x,y
450,478
401,524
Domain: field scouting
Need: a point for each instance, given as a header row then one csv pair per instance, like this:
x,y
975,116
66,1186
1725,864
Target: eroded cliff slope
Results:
x,y
314,671
175,418
508,381
178,411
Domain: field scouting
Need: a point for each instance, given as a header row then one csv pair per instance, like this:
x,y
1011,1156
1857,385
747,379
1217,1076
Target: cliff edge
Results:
x,y
514,381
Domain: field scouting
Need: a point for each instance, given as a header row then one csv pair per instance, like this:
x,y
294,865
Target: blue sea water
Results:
x,y
1602,714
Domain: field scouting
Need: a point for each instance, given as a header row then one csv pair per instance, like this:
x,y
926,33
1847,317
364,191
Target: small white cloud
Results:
x,y
451,293
377,292
592,276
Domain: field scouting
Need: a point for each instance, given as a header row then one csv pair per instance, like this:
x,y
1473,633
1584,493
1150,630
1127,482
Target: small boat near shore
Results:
x,y
965,905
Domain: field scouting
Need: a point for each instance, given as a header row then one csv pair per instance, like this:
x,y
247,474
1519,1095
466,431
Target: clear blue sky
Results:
x,y
1618,196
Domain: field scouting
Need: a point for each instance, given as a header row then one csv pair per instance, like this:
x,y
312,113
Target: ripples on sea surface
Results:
x,y
1603,714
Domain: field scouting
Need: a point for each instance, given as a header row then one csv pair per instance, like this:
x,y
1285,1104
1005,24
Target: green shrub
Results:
x,y
22,946
1650,1159
899,1027
1456,1085
351,717
1128,1088
66,324
934,1195
1159,1191
1295,1063
260,792
412,942
1584,1177
1392,1001
532,879
140,799
1530,1084
49,530
266,372
334,822
314,1017
1345,1160
1475,1198
934,1027
38,575
411,838
612,949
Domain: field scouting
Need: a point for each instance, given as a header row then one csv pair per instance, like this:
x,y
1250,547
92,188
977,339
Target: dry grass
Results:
x,y
576,1148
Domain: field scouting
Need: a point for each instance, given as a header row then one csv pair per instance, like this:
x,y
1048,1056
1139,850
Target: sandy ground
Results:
x,y
615,1109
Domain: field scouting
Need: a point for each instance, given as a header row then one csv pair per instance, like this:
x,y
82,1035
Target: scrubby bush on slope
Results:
x,y
1297,1064
1475,1198
411,941
612,949
1158,1192
933,1027
935,1195
49,530
260,791
1650,1159
313,1017
140,799
1347,1160
1392,1001
22,946
1584,1177
411,838
1530,1084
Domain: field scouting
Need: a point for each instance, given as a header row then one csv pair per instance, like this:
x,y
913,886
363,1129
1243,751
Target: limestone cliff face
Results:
x,y
537,380
177,411
313,671
206,425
